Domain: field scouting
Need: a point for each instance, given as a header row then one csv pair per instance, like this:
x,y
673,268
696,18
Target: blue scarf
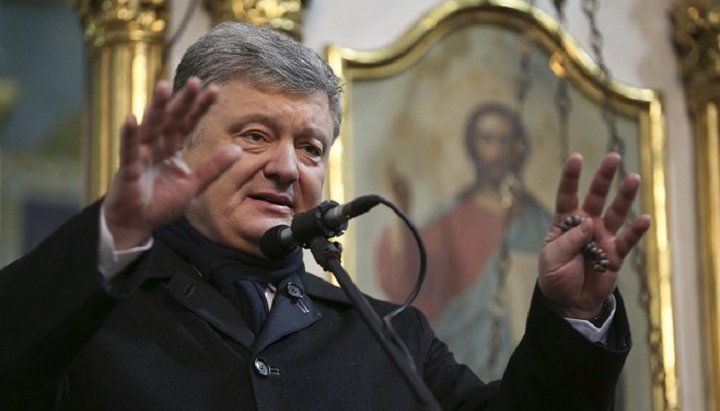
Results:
x,y
240,277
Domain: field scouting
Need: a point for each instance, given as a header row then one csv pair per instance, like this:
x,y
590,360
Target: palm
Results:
x,y
161,190
173,188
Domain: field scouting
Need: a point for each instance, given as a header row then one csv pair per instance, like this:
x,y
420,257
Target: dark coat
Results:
x,y
165,339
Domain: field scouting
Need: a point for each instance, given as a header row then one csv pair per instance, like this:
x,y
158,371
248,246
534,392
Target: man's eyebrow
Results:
x,y
273,123
262,118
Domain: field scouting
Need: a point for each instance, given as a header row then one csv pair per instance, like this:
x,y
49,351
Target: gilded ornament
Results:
x,y
117,21
696,32
282,15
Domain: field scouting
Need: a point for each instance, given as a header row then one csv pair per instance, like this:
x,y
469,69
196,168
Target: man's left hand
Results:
x,y
567,277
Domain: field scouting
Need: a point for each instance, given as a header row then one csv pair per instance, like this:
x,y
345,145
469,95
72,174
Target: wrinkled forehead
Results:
x,y
275,87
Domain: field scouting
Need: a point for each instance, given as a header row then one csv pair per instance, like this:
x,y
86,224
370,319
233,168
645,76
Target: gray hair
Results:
x,y
267,59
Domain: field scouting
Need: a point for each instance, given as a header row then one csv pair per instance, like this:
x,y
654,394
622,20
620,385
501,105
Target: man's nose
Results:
x,y
282,166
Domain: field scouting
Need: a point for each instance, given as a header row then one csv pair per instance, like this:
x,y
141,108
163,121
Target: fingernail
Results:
x,y
235,151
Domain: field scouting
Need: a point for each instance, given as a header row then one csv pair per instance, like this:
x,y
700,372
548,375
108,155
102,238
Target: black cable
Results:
x,y
423,260
327,254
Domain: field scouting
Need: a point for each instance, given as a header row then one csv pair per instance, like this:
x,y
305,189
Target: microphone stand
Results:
x,y
327,255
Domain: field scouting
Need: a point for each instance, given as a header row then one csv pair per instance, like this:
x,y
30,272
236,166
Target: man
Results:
x,y
169,311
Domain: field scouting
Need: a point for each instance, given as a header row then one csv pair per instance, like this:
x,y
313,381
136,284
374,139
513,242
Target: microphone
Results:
x,y
329,219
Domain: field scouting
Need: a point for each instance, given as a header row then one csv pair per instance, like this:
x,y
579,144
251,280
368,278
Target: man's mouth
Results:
x,y
274,199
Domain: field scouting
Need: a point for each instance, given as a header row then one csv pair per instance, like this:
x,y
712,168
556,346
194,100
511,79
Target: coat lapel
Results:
x,y
292,310
205,301
191,291
317,287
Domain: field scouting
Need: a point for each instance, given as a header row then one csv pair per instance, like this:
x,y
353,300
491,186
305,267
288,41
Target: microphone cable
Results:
x,y
390,332
423,260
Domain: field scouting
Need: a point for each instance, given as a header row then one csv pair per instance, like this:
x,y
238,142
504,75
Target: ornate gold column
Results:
x,y
697,39
282,15
124,48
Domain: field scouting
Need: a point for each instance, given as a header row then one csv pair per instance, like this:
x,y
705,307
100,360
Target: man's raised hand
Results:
x,y
567,277
154,185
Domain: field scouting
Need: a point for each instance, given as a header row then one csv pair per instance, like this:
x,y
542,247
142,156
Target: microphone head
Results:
x,y
275,245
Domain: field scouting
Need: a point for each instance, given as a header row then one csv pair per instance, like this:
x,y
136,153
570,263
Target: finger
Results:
x,y
566,200
129,149
569,245
176,113
632,235
150,130
211,169
200,107
152,123
618,212
600,185
128,141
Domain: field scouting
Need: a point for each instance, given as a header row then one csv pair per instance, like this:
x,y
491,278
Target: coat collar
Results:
x,y
287,315
319,288
164,262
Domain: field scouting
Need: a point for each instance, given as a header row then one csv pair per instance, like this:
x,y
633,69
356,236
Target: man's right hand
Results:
x,y
154,185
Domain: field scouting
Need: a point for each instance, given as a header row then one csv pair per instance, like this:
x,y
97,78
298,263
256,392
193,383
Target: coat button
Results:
x,y
295,291
261,367
189,289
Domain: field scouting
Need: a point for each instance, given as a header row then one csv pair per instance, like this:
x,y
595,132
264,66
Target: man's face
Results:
x,y
285,140
493,145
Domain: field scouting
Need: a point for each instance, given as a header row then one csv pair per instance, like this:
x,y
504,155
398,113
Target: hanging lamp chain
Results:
x,y
524,80
563,105
563,102
499,307
504,261
617,144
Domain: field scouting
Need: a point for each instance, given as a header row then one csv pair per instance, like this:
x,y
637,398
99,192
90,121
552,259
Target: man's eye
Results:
x,y
254,137
312,150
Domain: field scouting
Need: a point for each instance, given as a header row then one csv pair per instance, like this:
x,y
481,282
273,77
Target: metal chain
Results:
x,y
510,186
504,261
563,102
524,80
499,302
563,105
638,259
615,143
